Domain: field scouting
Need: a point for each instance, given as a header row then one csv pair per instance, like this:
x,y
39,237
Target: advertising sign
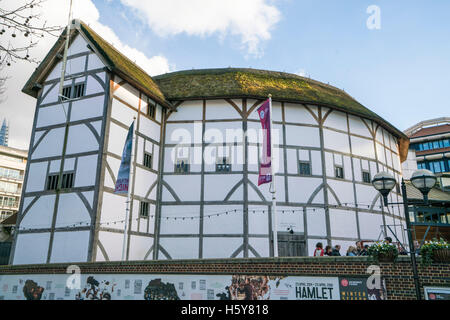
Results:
x,y
356,289
180,287
434,293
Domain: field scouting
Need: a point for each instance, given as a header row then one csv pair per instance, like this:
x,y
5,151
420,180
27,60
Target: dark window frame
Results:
x,y
148,163
336,175
77,93
144,210
304,163
180,167
66,93
52,182
151,109
223,166
365,174
68,180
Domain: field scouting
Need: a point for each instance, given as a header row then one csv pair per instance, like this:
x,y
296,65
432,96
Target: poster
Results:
x,y
355,288
435,293
181,287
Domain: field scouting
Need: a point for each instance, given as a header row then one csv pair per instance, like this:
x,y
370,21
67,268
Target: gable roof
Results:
x,y
115,61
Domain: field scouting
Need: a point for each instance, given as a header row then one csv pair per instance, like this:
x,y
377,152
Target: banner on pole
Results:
x,y
123,178
265,167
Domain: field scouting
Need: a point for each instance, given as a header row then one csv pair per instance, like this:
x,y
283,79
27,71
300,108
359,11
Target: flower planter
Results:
x,y
441,255
386,257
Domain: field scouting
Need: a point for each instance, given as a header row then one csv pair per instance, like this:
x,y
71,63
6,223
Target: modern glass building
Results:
x,y
4,132
429,146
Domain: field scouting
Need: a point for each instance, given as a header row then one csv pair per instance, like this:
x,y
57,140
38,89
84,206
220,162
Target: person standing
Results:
x,y
336,251
319,250
359,248
351,251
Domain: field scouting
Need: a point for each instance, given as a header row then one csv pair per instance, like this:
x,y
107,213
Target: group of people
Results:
x,y
249,288
352,251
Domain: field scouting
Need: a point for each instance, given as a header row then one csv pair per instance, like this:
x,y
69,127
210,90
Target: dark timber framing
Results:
x,y
48,86
302,208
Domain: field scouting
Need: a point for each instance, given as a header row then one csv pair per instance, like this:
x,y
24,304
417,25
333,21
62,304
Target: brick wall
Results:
x,y
398,276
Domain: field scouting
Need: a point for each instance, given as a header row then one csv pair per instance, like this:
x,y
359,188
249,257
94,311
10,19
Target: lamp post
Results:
x,y
423,180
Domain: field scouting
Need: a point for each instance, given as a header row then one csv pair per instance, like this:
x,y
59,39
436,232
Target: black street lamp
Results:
x,y
423,180
384,183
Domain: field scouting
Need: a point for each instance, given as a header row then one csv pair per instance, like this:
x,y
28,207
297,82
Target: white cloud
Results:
x,y
251,20
17,107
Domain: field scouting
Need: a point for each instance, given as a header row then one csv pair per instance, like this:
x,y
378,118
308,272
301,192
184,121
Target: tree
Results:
x,y
21,29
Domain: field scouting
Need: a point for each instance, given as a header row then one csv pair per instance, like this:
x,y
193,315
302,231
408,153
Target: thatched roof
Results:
x,y
253,83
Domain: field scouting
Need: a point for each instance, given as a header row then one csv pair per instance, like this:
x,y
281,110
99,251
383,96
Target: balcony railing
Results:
x,y
9,204
11,176
9,190
429,216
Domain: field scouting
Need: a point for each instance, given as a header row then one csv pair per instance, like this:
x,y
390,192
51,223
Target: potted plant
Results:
x,y
435,251
383,252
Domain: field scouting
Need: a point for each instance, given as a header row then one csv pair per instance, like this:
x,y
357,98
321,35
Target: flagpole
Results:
x,y
66,47
127,210
272,186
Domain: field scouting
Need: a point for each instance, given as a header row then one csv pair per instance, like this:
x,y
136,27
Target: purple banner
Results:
x,y
265,168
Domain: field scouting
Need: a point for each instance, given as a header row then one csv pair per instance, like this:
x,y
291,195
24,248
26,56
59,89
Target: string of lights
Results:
x,y
205,216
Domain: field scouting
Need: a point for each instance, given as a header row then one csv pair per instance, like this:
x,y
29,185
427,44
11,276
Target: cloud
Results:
x,y
17,107
251,20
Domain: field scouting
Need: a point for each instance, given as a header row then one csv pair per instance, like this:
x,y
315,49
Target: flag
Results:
x,y
123,178
265,167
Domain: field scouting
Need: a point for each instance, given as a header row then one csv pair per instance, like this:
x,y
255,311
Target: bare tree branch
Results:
x,y
3,79
21,29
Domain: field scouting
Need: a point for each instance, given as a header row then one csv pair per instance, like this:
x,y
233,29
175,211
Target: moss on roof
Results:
x,y
124,66
249,82
235,82
253,83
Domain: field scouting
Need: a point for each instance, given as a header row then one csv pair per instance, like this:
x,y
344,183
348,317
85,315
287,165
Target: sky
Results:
x,y
391,56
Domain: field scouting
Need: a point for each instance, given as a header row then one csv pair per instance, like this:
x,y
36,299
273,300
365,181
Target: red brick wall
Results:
x,y
398,276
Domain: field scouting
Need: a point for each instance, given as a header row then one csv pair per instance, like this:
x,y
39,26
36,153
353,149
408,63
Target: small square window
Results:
x,y
151,109
78,90
66,93
148,160
305,168
366,177
181,166
144,209
339,172
223,165
67,181
52,181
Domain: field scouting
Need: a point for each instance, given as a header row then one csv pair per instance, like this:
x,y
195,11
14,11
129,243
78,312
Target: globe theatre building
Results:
x,y
196,151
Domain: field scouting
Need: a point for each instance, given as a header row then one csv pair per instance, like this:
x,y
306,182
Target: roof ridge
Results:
x,y
150,84
231,69
112,46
